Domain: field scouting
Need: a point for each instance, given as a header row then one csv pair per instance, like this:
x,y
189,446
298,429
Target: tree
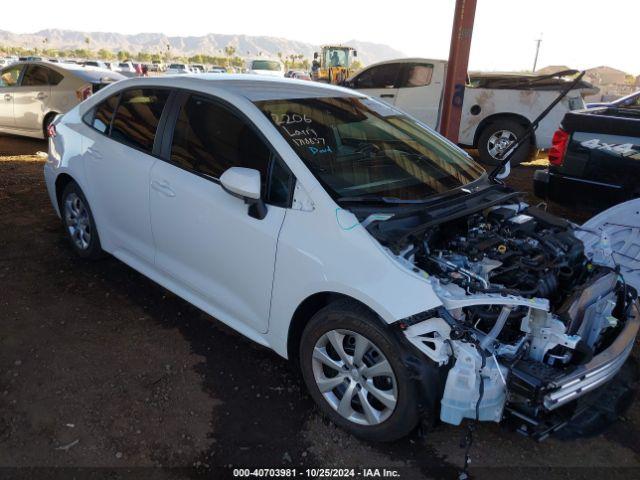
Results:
x,y
105,54
229,50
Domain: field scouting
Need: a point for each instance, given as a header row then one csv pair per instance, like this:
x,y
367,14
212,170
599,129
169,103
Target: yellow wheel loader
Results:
x,y
333,64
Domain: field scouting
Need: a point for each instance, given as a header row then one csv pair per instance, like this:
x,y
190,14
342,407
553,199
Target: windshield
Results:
x,y
360,147
265,65
336,57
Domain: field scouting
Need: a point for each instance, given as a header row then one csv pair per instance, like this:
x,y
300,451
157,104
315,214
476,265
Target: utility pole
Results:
x,y
457,68
535,60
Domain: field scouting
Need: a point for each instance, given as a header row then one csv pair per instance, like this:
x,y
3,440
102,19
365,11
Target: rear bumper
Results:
x,y
569,190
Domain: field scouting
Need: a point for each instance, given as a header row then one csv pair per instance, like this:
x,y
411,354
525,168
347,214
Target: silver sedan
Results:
x,y
33,93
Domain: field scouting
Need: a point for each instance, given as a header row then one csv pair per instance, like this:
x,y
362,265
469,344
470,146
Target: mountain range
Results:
x,y
210,44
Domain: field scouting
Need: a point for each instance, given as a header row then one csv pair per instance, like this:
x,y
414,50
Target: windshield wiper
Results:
x,y
372,199
387,200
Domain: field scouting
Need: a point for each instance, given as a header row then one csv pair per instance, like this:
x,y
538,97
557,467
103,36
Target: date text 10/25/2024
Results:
x,y
316,473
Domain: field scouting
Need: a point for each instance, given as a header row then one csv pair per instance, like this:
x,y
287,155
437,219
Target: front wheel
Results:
x,y
354,372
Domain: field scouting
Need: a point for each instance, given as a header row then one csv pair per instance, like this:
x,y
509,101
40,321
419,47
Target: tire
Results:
x,y
351,325
79,223
45,124
505,130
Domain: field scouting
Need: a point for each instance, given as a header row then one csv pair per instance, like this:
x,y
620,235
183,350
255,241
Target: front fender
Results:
x,y
315,256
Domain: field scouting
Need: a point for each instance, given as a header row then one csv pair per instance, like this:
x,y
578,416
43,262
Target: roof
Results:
x,y
408,60
89,74
252,87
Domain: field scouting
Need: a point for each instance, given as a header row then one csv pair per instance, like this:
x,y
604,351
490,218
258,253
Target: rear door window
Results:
x,y
382,76
137,117
417,75
35,76
55,77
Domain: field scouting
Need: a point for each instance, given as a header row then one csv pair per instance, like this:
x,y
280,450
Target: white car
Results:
x,y
127,69
33,93
178,68
262,66
347,237
96,64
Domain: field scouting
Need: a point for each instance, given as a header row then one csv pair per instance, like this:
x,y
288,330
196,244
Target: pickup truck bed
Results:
x,y
595,159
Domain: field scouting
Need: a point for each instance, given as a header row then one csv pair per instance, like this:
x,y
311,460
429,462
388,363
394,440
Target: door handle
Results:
x,y
94,153
7,96
387,95
41,96
163,187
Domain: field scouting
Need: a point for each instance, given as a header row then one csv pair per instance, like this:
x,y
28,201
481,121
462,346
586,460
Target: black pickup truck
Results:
x,y
594,160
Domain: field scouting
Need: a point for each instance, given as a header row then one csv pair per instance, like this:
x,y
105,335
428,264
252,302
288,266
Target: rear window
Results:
x,y
265,65
137,117
176,65
35,76
103,114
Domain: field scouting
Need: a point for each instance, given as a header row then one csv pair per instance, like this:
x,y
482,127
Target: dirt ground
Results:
x,y
100,368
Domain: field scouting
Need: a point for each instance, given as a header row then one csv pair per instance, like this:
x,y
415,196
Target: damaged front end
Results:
x,y
530,320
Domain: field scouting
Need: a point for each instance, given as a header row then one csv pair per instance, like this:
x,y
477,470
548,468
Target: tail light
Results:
x,y
51,131
84,93
558,147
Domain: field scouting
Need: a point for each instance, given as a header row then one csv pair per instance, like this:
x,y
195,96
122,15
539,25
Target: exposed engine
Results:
x,y
523,305
504,251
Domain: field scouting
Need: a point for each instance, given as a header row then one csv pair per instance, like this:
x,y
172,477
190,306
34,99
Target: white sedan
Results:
x,y
344,235
33,93
178,69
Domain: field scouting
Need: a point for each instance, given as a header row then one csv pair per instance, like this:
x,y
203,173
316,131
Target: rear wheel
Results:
x,y
79,223
496,139
353,371
45,124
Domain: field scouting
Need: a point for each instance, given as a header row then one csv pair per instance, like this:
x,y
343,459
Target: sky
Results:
x,y
576,33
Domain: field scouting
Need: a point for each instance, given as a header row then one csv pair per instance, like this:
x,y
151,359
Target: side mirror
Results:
x,y
315,55
244,183
355,53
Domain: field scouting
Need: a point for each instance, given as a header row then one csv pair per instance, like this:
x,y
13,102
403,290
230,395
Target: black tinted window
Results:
x,y
382,76
137,117
35,76
54,77
209,139
104,113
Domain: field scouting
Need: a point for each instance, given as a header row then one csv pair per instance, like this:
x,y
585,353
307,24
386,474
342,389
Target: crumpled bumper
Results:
x,y
602,368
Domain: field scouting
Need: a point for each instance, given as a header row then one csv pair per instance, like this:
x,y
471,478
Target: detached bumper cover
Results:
x,y
602,368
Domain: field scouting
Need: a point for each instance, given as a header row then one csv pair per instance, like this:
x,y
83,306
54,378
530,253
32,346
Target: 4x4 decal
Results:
x,y
624,149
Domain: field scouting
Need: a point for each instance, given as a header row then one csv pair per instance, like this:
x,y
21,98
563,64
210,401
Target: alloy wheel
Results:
x,y
76,216
500,142
354,377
